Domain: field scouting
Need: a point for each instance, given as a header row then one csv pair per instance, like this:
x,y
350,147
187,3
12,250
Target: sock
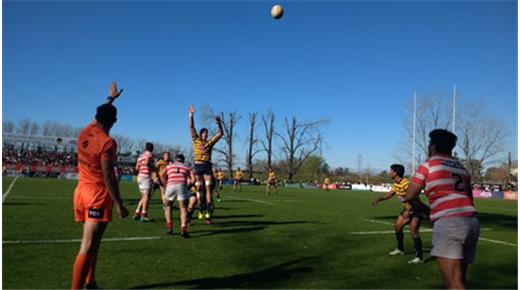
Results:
x,y
144,214
79,272
400,243
201,208
418,247
169,225
91,275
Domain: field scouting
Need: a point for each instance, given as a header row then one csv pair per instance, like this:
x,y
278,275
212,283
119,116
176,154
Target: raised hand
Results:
x,y
191,109
113,93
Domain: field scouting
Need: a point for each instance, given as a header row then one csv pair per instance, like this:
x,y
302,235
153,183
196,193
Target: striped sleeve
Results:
x,y
421,174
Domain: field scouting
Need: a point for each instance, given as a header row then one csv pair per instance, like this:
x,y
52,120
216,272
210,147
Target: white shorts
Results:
x,y
144,183
176,192
455,238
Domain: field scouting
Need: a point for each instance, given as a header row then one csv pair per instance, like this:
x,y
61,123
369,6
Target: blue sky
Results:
x,y
353,63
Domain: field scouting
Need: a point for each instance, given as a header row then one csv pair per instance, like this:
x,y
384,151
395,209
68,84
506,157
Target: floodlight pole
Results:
x,y
453,109
413,134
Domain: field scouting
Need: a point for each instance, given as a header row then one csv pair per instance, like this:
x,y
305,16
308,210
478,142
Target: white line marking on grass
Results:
x,y
420,231
9,189
250,199
378,222
497,242
386,232
79,240
42,197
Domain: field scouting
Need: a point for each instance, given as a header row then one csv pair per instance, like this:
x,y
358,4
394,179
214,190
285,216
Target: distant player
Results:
x,y
237,180
456,230
160,166
177,176
145,167
412,214
326,183
220,178
271,181
202,148
218,182
97,190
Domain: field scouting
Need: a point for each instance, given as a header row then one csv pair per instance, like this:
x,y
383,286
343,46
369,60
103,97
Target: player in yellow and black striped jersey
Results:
x,y
411,213
271,182
218,176
237,180
202,148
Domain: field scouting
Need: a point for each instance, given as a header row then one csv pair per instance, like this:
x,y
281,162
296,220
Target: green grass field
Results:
x,y
303,238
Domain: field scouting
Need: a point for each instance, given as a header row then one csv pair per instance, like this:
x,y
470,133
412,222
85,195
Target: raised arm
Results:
x,y
113,93
194,134
220,131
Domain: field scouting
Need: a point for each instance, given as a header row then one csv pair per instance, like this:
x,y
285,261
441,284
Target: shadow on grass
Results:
x,y
226,231
266,278
258,223
497,220
236,200
232,216
485,219
21,203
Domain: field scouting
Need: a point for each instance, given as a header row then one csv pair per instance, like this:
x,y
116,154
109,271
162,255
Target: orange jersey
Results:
x,y
94,145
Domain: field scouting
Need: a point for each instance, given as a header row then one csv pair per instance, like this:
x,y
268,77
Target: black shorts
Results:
x,y
203,169
421,212
272,182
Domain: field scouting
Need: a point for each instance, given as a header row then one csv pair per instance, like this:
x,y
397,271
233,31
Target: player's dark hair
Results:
x,y
180,157
398,169
443,140
106,114
148,146
203,130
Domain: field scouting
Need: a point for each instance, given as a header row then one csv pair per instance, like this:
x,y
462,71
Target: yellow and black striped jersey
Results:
x,y
202,151
238,174
272,175
160,166
399,188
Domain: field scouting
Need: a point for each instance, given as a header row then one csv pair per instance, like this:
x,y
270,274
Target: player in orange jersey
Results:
x,y
97,190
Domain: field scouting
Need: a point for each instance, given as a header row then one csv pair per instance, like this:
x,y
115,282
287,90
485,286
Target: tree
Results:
x,y
35,128
228,125
47,128
251,150
125,145
267,143
480,136
314,168
299,141
432,112
24,126
480,139
8,126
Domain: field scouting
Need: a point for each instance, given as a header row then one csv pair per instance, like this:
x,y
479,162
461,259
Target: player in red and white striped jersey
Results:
x,y
447,184
177,176
144,168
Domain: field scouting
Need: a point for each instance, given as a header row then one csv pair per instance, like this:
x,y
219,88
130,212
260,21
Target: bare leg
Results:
x,y
452,273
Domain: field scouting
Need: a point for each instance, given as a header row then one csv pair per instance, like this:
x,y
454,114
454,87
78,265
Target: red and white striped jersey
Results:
x,y
143,163
177,173
444,180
